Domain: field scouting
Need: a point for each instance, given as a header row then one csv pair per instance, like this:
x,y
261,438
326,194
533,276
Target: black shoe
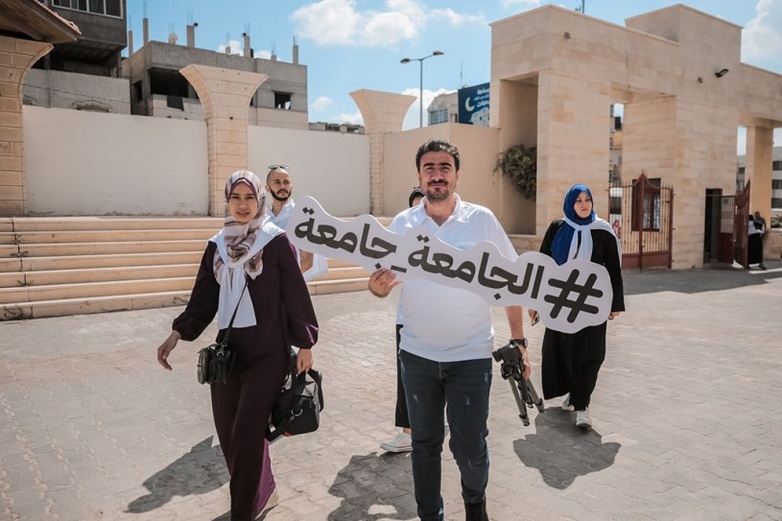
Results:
x,y
762,266
476,511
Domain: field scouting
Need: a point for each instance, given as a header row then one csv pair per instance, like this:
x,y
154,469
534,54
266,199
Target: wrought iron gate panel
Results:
x,y
741,227
641,212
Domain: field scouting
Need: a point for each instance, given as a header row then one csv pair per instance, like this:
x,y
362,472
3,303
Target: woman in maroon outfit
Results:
x,y
273,312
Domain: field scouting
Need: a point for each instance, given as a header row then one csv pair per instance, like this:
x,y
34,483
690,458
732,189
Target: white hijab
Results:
x,y
584,231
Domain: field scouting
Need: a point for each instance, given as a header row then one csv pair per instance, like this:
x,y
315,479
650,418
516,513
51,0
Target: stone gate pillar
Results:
x,y
758,168
225,97
16,58
383,113
573,135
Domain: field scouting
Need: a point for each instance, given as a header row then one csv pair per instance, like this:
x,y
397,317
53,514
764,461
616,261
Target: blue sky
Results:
x,y
358,44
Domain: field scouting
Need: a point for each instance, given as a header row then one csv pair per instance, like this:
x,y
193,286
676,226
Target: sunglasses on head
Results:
x,y
275,167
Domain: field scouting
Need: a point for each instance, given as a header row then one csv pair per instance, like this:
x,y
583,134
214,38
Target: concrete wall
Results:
x,y
80,163
329,166
478,149
70,90
85,163
772,243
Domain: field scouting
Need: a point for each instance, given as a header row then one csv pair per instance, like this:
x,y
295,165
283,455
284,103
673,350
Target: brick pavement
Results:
x,y
687,418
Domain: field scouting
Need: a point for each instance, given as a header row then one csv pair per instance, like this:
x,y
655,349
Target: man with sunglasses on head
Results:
x,y
280,187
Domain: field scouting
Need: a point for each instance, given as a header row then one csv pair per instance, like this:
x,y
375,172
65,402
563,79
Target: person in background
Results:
x,y
760,223
571,361
755,242
249,268
402,442
280,186
447,339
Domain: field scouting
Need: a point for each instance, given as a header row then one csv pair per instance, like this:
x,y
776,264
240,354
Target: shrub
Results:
x,y
521,165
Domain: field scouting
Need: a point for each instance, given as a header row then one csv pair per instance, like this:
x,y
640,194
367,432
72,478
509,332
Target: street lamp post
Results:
x,y
421,83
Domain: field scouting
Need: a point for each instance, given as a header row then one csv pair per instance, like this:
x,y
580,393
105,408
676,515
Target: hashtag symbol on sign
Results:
x,y
569,286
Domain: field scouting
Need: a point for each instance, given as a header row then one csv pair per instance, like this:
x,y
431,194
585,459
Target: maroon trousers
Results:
x,y
241,409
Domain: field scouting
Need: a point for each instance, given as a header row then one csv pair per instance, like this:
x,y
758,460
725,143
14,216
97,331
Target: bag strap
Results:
x,y
318,378
231,323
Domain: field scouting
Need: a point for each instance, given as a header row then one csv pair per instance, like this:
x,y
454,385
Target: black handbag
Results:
x,y
298,406
216,360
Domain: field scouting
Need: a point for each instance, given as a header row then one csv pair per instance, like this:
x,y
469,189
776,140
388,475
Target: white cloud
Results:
x,y
457,19
339,22
234,45
525,4
352,118
762,36
321,104
412,117
237,48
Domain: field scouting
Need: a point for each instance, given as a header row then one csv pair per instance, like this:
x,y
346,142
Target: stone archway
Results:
x,y
225,97
681,117
28,31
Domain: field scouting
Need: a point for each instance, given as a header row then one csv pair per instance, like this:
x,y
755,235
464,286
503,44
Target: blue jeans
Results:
x,y
464,387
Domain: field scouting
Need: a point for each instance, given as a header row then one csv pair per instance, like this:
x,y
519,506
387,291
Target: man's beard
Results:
x,y
437,195
281,199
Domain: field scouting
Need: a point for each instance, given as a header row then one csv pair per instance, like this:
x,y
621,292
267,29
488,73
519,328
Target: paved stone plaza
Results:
x,y
687,418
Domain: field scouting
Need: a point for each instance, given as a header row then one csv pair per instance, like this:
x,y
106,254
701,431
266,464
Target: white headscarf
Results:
x,y
240,252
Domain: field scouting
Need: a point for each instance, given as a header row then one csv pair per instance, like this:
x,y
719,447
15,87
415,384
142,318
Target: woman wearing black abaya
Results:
x,y
571,361
273,312
755,243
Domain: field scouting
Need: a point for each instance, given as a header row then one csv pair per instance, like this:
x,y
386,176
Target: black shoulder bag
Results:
x,y
216,360
298,406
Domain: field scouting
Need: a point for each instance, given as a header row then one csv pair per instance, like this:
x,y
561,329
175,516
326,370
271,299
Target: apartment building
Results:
x,y
91,74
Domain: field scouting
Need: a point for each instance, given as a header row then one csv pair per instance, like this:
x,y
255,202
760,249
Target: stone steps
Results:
x,y
80,265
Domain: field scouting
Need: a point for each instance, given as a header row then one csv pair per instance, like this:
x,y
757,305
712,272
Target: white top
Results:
x,y
441,323
320,264
282,218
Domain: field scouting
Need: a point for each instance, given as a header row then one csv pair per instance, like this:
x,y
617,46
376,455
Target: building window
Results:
x,y
438,116
282,100
102,7
776,165
776,184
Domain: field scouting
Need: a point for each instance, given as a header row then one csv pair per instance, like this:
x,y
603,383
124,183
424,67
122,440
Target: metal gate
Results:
x,y
641,213
741,227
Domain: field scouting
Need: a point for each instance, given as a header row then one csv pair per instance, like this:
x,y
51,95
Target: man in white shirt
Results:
x,y
280,187
447,339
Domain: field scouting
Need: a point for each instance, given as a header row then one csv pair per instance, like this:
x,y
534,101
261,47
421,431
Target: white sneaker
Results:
x,y
401,443
566,405
582,419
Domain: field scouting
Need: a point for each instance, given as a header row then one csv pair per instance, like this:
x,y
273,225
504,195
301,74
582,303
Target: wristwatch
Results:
x,y
519,342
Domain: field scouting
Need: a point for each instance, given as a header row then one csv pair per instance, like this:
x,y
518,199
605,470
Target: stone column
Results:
x,y
758,169
225,98
573,142
16,58
383,113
